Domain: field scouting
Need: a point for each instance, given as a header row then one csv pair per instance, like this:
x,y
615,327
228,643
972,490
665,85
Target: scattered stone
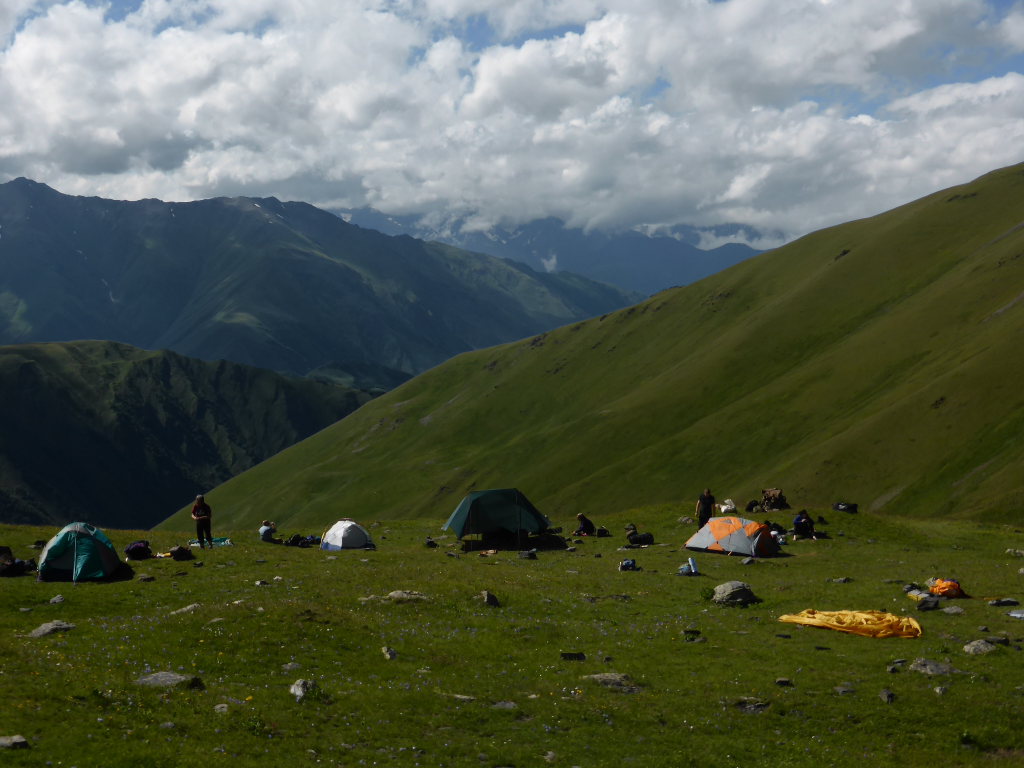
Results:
x,y
490,598
953,610
530,554
597,554
13,742
25,610
784,682
842,580
221,709
50,628
571,549
167,726
291,666
979,647
983,629
170,680
279,578
686,521
1015,614
197,564
734,593
145,577
940,690
549,756
844,689
1003,601
301,688
929,603
504,705
614,680
215,620
784,636
462,697
1015,552
573,656
187,609
752,705
262,583
389,653
926,667
749,561
887,696
997,640
56,599
405,596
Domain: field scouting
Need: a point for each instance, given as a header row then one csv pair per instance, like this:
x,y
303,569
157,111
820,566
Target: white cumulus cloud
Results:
x,y
781,114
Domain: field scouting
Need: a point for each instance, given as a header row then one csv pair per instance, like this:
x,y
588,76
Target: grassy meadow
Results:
x,y
478,685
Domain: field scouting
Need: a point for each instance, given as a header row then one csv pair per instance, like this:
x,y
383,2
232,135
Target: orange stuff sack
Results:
x,y
947,588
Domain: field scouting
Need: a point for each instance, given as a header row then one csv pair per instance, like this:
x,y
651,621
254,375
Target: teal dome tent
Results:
x,y
79,552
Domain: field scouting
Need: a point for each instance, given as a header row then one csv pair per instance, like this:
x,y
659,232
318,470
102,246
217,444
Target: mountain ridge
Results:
x,y
114,435
283,286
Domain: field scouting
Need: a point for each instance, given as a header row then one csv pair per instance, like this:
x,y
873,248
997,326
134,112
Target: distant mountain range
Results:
x,y
631,260
877,362
113,435
283,286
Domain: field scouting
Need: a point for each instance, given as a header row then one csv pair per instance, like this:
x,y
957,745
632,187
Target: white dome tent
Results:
x,y
346,534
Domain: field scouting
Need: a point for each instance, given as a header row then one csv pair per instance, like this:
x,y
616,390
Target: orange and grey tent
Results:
x,y
736,536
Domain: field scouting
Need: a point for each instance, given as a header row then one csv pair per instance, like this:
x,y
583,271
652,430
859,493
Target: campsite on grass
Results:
x,y
370,655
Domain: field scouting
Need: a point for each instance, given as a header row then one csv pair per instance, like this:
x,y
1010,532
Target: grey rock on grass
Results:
x,y
617,681
979,647
926,667
50,628
734,593
187,609
13,742
301,688
170,680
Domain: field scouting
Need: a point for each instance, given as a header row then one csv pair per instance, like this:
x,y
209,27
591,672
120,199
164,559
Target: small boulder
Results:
x,y
489,598
56,599
50,628
389,653
953,610
931,668
979,647
291,666
169,680
887,696
221,709
614,680
300,689
1003,601
145,577
405,596
734,593
13,742
187,609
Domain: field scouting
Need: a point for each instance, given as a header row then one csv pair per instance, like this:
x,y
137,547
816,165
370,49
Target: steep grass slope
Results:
x,y
877,362
115,435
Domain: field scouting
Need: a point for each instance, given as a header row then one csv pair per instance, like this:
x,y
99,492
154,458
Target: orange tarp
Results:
x,y
866,623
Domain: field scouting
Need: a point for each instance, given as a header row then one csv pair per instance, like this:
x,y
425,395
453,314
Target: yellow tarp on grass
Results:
x,y
866,623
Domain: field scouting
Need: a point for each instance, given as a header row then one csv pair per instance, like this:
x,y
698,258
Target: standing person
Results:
x,y
202,513
705,508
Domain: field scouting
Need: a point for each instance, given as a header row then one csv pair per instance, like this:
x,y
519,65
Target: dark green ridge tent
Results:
x,y
80,551
496,511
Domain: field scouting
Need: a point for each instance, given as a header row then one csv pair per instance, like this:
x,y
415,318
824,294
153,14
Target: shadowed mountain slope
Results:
x,y
283,286
116,436
877,362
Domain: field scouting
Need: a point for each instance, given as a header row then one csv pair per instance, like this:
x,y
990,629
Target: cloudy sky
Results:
x,y
787,115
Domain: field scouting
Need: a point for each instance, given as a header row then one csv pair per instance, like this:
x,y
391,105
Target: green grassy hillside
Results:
x,y
476,685
877,362
114,435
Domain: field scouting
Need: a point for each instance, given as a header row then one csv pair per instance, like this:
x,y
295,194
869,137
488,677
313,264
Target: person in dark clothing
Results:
x,y
202,514
705,508
585,527
803,526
